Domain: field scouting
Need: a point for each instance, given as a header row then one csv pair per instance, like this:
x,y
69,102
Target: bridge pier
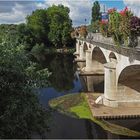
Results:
x,y
77,53
82,55
92,66
89,83
110,90
81,64
88,61
93,83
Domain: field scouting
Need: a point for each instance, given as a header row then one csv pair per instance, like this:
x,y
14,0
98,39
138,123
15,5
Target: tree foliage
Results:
x,y
104,28
94,27
83,31
119,25
38,24
25,36
51,26
96,15
21,114
60,25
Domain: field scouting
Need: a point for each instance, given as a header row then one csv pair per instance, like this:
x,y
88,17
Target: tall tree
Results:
x,y
25,36
96,15
51,26
38,24
60,25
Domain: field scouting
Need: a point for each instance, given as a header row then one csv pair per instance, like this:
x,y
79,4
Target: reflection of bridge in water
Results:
x,y
118,67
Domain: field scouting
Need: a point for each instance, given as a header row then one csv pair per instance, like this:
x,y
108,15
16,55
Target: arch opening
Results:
x,y
98,55
79,43
129,79
85,47
112,57
89,46
98,61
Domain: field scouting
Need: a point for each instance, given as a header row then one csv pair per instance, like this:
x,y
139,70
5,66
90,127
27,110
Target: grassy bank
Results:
x,y
76,105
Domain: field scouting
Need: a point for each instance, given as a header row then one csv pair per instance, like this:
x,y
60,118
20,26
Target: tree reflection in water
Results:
x,y
61,66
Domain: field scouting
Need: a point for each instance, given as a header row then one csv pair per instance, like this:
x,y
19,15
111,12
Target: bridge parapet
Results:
x,y
98,37
108,44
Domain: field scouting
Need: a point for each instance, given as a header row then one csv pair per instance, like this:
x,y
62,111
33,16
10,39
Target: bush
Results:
x,y
94,27
104,28
119,25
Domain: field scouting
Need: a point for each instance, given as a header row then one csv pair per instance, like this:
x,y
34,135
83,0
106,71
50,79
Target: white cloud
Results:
x,y
79,9
16,11
134,5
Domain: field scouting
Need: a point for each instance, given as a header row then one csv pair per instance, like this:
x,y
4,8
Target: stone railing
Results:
x,y
98,37
108,43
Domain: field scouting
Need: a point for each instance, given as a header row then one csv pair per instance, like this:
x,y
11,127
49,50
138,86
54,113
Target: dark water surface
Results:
x,y
64,81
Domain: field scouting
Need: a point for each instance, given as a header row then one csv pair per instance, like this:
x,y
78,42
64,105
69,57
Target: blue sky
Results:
x,y
117,4
16,11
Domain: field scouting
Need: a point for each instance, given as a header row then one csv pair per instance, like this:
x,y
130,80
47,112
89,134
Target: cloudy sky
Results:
x,y
15,11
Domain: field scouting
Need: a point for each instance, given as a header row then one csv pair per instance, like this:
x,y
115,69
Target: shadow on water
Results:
x,y
64,81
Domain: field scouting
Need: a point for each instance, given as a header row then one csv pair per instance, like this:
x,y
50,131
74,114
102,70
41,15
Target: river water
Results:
x,y
64,81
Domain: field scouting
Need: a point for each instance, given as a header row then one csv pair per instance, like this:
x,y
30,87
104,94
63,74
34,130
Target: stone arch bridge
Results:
x,y
119,65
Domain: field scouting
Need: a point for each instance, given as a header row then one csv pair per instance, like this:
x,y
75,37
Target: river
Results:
x,y
64,81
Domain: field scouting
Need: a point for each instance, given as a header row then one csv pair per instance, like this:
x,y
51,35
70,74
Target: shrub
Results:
x,y
119,25
104,28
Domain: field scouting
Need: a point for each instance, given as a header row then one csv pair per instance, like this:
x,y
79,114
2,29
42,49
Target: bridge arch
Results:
x,y
129,78
85,47
89,46
98,55
79,43
112,57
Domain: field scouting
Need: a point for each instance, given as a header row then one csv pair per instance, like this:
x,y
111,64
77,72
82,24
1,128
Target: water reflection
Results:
x,y
93,83
62,70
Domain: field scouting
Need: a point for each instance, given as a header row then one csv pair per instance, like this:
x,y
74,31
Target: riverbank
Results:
x,y
103,112
76,105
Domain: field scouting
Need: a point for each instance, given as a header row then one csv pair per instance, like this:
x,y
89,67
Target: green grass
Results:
x,y
76,105
82,110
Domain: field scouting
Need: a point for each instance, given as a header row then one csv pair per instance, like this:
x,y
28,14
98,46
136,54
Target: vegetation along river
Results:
x,y
64,80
